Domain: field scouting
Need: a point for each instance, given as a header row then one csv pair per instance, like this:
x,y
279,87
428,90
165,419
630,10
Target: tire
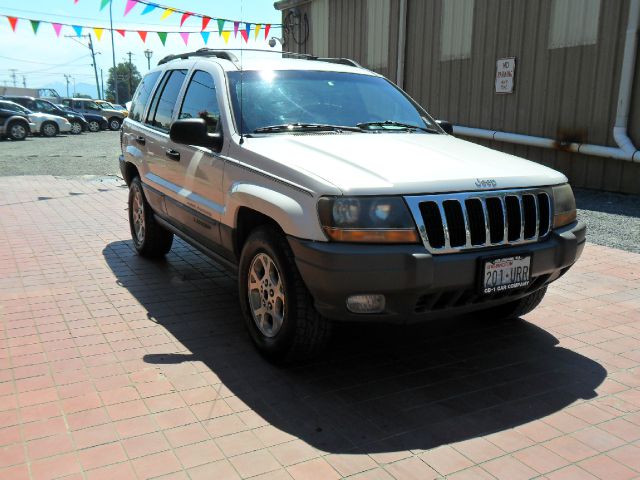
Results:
x,y
18,130
49,129
114,123
76,128
149,238
94,126
278,311
517,308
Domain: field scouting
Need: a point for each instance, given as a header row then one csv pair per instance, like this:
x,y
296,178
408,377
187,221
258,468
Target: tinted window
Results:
x,y
91,106
163,110
200,100
9,106
141,97
45,106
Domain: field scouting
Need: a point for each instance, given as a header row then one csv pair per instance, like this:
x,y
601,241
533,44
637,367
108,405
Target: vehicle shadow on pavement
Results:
x,y
378,388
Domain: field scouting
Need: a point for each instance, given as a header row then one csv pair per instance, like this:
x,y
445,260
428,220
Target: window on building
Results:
x,y
378,17
320,27
456,29
200,100
573,23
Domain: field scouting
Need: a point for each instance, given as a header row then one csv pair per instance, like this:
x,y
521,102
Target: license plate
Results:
x,y
508,273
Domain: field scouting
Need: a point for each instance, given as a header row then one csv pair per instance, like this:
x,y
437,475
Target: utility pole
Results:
x,y
67,77
113,51
24,81
95,67
104,97
13,76
130,75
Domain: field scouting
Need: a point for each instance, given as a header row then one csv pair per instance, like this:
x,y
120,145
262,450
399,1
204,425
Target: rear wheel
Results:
x,y
277,307
149,238
49,129
18,130
76,128
517,308
114,123
94,126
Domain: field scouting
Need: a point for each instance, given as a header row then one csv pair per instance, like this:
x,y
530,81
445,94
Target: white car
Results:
x,y
336,197
41,123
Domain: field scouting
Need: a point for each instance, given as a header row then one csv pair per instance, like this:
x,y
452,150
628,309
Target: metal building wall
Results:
x,y
564,93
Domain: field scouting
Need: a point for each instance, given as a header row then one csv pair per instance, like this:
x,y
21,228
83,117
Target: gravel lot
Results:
x,y
85,154
613,219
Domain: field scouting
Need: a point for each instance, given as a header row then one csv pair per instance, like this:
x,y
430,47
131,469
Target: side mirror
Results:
x,y
446,126
193,131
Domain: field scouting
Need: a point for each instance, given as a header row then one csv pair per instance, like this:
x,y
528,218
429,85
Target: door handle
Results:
x,y
140,139
172,154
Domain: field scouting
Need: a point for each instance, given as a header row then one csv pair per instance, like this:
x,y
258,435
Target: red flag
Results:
x,y
245,35
185,15
205,22
121,32
143,36
267,27
13,21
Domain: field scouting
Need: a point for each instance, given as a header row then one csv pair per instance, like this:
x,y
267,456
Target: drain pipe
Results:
x,y
626,149
402,42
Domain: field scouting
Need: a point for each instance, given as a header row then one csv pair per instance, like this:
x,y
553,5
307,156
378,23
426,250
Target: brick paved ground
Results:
x,y
116,367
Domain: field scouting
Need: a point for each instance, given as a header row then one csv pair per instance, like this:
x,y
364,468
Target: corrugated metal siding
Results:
x,y
378,17
573,23
319,26
559,93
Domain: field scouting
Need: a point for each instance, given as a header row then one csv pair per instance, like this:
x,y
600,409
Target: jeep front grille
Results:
x,y
455,222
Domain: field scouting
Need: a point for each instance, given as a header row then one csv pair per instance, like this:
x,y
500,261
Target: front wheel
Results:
x,y
114,123
49,129
76,128
517,308
93,126
18,130
149,238
276,305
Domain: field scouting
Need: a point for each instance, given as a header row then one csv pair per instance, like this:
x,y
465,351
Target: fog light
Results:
x,y
366,303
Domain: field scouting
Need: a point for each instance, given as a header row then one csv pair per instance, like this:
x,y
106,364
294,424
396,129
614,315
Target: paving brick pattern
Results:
x,y
115,367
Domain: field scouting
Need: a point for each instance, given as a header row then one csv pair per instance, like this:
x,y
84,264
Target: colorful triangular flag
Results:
x,y
205,36
247,27
130,4
244,35
104,3
185,37
166,13
205,22
236,25
121,32
78,30
35,24
163,37
258,27
98,32
267,27
226,35
220,25
185,15
57,27
13,21
143,35
149,8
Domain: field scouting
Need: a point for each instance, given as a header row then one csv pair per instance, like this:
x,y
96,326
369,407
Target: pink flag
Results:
x,y
129,6
57,27
185,37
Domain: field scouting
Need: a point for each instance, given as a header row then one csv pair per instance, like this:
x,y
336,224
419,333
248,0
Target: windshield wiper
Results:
x,y
285,127
392,123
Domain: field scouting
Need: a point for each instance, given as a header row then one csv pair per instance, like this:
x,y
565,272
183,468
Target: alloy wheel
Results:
x,y
18,131
266,295
138,215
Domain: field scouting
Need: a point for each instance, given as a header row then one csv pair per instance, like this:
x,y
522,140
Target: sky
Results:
x,y
43,59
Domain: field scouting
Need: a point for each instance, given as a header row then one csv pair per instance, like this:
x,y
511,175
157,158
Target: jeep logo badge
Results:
x,y
486,183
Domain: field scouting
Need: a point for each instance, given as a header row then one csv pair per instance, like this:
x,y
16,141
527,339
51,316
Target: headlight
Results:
x,y
564,206
367,220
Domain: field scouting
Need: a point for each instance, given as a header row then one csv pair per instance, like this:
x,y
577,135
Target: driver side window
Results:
x,y
44,106
200,100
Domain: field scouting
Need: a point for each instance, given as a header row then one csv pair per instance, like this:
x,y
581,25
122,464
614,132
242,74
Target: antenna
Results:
x,y
241,85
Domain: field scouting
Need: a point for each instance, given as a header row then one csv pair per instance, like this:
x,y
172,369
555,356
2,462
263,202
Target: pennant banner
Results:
x,y
104,3
98,32
184,18
121,32
205,22
129,6
35,24
185,37
226,34
167,13
163,37
257,32
220,26
57,27
143,36
205,36
149,8
78,30
13,21
236,25
266,30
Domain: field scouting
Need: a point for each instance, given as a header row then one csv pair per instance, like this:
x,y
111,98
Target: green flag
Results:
x,y
35,24
220,25
163,37
104,4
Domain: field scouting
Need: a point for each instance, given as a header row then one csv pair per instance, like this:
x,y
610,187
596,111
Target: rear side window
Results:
x,y
200,100
163,108
45,106
141,97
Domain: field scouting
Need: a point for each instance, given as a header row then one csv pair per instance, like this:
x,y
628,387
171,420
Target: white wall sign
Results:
x,y
505,73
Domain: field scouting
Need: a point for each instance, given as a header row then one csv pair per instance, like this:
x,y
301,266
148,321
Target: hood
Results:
x,y
45,116
401,163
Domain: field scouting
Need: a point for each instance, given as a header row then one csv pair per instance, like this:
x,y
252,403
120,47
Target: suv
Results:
x,y
336,197
39,105
14,123
86,105
43,123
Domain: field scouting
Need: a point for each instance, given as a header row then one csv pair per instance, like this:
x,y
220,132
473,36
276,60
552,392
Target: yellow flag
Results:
x,y
225,35
98,32
166,13
258,26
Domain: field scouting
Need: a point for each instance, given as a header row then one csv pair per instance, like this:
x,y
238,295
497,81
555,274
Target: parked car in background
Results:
x,y
14,125
95,122
113,106
77,121
86,105
43,123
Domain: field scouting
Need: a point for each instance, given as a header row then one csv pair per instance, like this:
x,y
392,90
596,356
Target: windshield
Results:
x,y
281,97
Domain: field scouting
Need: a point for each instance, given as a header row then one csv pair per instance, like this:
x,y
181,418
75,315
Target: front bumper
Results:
x,y
417,285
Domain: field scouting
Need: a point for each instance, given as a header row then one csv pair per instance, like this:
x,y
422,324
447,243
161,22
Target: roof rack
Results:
x,y
227,55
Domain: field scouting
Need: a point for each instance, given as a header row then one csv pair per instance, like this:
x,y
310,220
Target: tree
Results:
x,y
128,79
